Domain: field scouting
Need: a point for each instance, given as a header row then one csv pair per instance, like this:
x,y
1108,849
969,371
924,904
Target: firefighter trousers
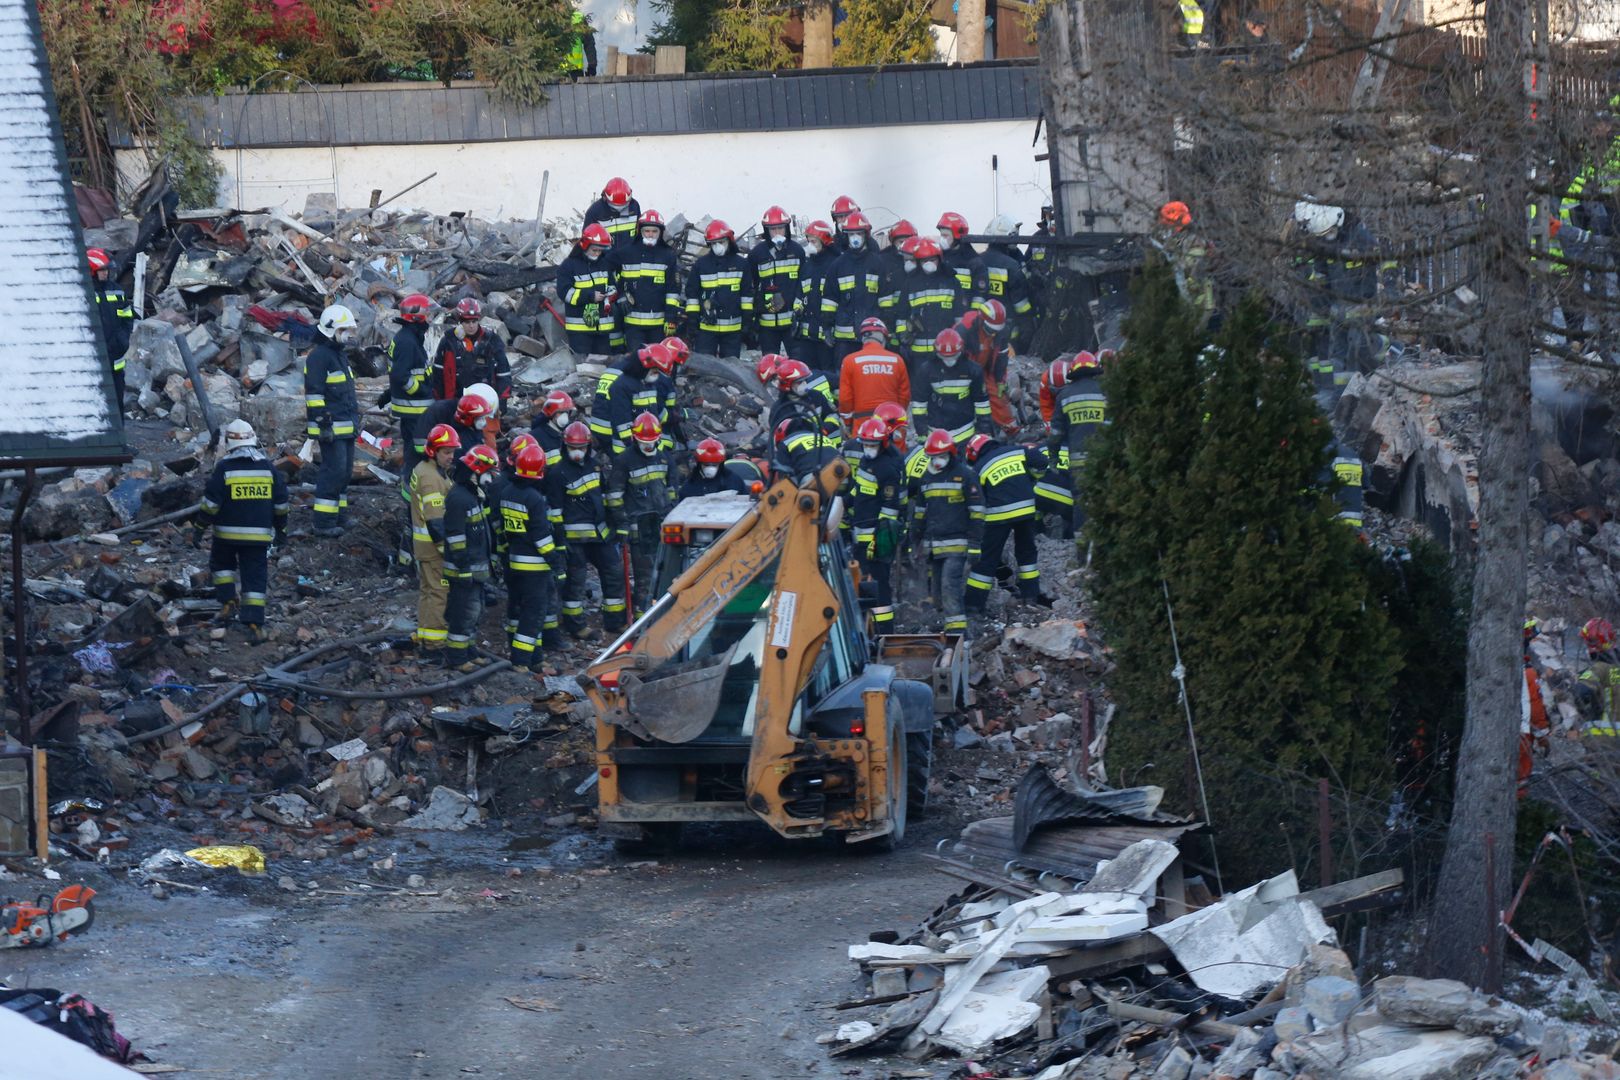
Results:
x,y
636,336
607,558
645,535
589,342
431,593
463,607
715,343
234,563
982,578
332,483
881,572
947,586
528,595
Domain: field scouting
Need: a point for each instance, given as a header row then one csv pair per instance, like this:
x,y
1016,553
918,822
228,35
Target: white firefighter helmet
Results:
x,y
1318,219
239,435
1002,225
335,318
487,392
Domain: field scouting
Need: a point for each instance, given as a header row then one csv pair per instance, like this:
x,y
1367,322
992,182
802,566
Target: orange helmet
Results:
x,y
442,437
975,447
471,409
954,224
415,308
520,441
480,459
1175,215
873,430
718,230
1057,373
765,370
711,452
97,259
939,442
530,463
647,429
892,414
617,192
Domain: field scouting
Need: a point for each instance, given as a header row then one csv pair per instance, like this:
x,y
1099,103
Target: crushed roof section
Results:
x,y
56,388
625,106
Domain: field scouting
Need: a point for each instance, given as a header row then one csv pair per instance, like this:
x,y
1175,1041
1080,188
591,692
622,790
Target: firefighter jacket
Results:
x,y
622,394
409,373
813,287
444,412
1347,494
776,272
1039,255
815,405
856,288
870,376
723,480
1080,413
1054,490
952,398
467,538
620,224
1048,400
1352,266
525,519
878,502
1005,280
971,275
812,440
550,440
1599,695
643,484
720,291
245,499
1004,477
462,362
647,278
429,486
948,508
579,280
577,491
894,268
329,391
928,303
981,347
117,320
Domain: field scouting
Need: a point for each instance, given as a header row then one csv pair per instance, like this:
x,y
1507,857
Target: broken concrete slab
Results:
x,y
1403,999
1245,943
1330,999
1391,1052
448,810
1058,638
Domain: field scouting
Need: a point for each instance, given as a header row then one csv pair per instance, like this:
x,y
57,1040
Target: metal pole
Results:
x,y
19,608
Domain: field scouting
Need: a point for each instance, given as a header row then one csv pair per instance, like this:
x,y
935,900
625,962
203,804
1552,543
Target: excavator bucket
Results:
x,y
676,702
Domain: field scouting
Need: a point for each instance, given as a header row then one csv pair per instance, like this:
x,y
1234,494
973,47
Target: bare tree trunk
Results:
x,y
818,35
969,31
1465,939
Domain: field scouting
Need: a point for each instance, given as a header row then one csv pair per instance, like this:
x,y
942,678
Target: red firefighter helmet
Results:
x,y
646,429
819,230
480,459
657,357
924,248
975,447
939,442
718,230
781,433
468,309
530,463
1175,215
892,414
650,219
520,441
857,222
678,348
1057,373
415,308
593,235
908,247
471,409
617,192
765,370
557,401
995,315
843,206
1598,635
97,259
711,452
1085,361
955,224
901,230
873,325
948,343
872,430
789,373
577,435
775,216
442,437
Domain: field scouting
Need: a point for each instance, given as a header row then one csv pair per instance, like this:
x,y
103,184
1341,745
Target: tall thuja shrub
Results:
x,y
1137,501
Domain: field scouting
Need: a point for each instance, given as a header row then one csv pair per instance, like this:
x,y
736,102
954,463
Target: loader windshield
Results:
x,y
740,623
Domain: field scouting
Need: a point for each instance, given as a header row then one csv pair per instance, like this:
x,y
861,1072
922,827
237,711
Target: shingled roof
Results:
x,y
56,395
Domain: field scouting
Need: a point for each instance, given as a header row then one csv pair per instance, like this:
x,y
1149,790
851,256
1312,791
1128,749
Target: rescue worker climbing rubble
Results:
x,y
117,315
245,505
1009,513
1598,690
641,489
333,416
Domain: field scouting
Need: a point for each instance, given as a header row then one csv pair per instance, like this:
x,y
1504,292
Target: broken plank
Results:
x,y
1124,1010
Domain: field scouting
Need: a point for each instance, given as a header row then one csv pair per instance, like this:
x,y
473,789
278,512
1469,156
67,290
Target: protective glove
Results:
x,y
670,326
326,434
886,539
593,315
777,303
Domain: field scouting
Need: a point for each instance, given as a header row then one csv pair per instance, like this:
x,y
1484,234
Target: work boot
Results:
x,y
430,658
589,633
1043,600
253,631
227,613
326,531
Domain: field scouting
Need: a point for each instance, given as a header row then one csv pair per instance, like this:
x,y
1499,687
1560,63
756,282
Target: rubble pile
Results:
x,y
1091,954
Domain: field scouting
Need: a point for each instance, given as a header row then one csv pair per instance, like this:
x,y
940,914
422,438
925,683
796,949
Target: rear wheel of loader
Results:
x,y
899,784
919,770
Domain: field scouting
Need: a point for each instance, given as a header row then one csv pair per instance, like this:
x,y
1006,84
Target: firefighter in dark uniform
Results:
x,y
409,396
930,300
632,385
1005,280
468,356
720,293
648,284
642,491
877,514
709,476
1009,510
854,290
468,546
245,501
585,286
1079,413
577,491
333,416
894,258
960,257
472,417
1347,493
809,340
776,265
616,212
117,316
556,412
531,556
948,525
948,393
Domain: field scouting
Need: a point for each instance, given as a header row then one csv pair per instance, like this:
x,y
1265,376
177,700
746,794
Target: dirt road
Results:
x,y
719,961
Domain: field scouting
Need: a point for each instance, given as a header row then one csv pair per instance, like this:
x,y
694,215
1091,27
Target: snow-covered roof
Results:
x,y
56,398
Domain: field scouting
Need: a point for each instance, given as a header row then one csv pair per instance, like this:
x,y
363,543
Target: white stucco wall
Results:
x,y
916,172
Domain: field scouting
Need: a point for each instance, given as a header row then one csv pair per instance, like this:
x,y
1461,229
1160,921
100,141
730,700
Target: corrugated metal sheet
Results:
x,y
53,379
603,108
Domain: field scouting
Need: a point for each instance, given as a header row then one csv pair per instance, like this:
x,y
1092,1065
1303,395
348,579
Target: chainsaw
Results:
x,y
47,919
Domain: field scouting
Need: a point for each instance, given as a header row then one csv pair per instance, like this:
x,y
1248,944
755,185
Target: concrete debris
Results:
x,y
1059,639
1242,945
446,809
